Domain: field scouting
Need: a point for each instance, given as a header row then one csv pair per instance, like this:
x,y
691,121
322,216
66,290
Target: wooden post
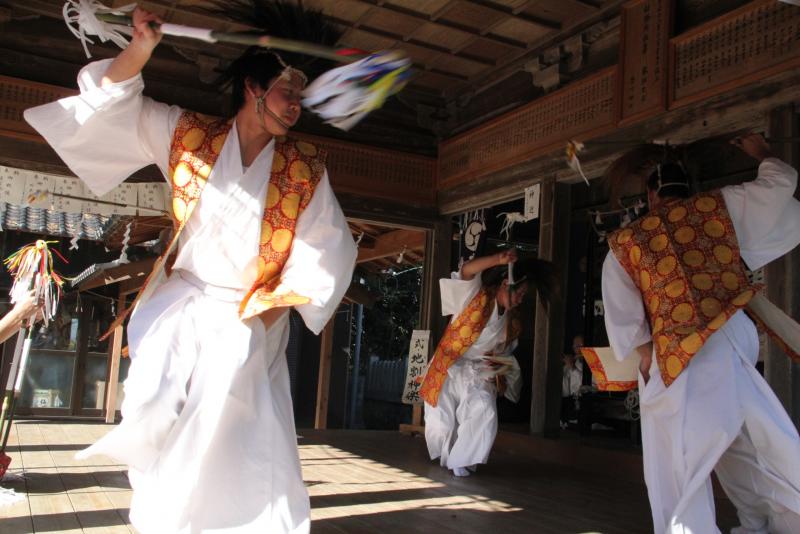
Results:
x,y
323,382
113,366
783,278
548,338
438,245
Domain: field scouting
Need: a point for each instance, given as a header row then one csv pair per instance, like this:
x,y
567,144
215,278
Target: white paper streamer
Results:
x,y
80,17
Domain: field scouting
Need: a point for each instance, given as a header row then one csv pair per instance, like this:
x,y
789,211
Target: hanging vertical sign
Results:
x,y
646,28
417,364
532,196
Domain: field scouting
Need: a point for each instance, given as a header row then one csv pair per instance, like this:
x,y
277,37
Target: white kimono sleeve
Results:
x,y
105,134
456,293
765,214
320,265
626,322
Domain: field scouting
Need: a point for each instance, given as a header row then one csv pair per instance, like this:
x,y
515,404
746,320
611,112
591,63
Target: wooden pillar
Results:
x,y
438,247
783,276
548,337
323,382
113,365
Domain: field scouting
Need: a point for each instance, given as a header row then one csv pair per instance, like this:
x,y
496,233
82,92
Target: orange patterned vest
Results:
x,y
684,258
297,168
458,337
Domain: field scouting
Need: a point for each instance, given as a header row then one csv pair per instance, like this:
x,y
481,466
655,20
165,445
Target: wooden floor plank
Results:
x,y
358,482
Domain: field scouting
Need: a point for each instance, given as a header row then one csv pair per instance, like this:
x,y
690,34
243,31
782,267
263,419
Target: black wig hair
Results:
x,y
539,274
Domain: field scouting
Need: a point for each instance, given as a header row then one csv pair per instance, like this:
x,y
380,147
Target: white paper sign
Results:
x,y
35,183
417,363
12,185
155,196
68,186
125,194
532,195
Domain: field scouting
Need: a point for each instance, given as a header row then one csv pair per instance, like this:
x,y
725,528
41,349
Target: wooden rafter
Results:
x,y
391,244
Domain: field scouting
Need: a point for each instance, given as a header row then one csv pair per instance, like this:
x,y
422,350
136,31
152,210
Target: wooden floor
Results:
x,y
359,482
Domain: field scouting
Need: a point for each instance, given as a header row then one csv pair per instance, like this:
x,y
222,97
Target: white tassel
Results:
x,y
573,149
508,223
80,17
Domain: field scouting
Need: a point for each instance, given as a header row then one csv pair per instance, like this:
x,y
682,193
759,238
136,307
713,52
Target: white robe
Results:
x,y
208,427
719,413
461,429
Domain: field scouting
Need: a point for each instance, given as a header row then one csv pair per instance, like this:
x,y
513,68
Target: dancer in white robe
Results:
x,y
461,428
719,413
208,427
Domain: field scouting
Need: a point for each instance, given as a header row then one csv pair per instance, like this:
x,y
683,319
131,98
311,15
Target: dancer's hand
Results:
x,y
754,145
506,256
645,360
145,38
132,60
27,307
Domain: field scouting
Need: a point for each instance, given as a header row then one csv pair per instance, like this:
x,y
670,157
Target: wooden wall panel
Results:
x,y
358,169
582,109
740,47
644,43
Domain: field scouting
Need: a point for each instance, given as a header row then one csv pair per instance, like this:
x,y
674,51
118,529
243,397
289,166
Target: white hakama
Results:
x,y
208,427
462,428
719,414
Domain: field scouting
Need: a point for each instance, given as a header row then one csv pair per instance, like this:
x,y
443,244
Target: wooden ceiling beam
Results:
x,y
391,244
443,22
518,13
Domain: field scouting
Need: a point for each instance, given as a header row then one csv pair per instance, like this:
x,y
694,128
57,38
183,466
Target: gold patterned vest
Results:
x,y
684,258
462,332
297,168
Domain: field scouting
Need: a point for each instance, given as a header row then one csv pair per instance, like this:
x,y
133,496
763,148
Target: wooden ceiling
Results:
x,y
453,43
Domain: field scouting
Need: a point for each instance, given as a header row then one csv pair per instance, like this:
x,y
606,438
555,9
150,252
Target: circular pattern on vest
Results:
x,y
651,223
743,298
475,316
714,228
682,312
684,234
717,322
674,366
218,142
290,205
730,281
694,258
658,243
705,204
624,236
675,289
635,255
711,307
666,265
278,162
273,195
658,324
193,138
676,214
182,175
702,281
281,240
299,171
465,331
306,148
691,343
654,304
723,253
644,280
266,232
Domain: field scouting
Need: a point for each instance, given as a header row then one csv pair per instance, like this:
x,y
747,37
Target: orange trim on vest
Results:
x,y
684,258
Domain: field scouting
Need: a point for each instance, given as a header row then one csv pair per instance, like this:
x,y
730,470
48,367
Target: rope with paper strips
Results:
x,y
31,267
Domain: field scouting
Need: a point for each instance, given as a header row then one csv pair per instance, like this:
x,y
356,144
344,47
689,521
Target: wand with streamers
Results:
x,y
32,270
342,96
